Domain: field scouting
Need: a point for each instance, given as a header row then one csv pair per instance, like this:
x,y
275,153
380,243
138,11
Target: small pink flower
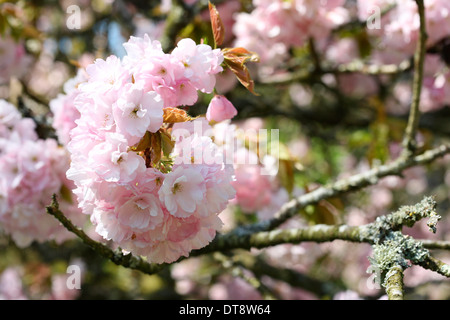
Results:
x,y
13,59
112,161
109,73
253,190
182,191
220,109
201,63
11,286
137,111
141,212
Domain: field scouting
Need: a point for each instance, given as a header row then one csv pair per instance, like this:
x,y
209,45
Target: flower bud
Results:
x,y
219,109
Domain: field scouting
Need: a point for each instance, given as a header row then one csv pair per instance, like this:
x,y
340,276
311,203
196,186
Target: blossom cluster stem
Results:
x,y
117,257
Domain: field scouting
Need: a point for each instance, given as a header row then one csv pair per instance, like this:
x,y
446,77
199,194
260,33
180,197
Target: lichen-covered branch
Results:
x,y
391,247
263,239
353,183
407,216
394,283
393,251
436,265
374,233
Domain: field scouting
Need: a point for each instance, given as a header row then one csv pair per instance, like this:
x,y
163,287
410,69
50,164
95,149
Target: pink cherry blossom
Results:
x,y
201,63
141,212
253,190
32,171
63,107
13,59
113,162
182,191
136,112
109,74
273,27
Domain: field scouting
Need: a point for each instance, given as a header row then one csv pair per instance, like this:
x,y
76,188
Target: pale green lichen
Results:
x,y
445,269
405,216
392,248
389,253
432,221
396,249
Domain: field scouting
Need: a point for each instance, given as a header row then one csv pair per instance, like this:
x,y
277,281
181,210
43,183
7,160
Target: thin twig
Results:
x,y
409,141
356,66
439,245
360,67
315,56
237,270
258,266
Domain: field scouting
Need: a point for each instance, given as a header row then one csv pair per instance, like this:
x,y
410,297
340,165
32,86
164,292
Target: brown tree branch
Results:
x,y
118,257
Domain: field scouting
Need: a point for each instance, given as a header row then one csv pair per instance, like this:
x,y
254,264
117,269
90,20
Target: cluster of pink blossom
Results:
x,y
63,109
245,144
21,283
151,194
13,59
435,90
273,27
253,188
11,287
32,171
394,28
395,24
